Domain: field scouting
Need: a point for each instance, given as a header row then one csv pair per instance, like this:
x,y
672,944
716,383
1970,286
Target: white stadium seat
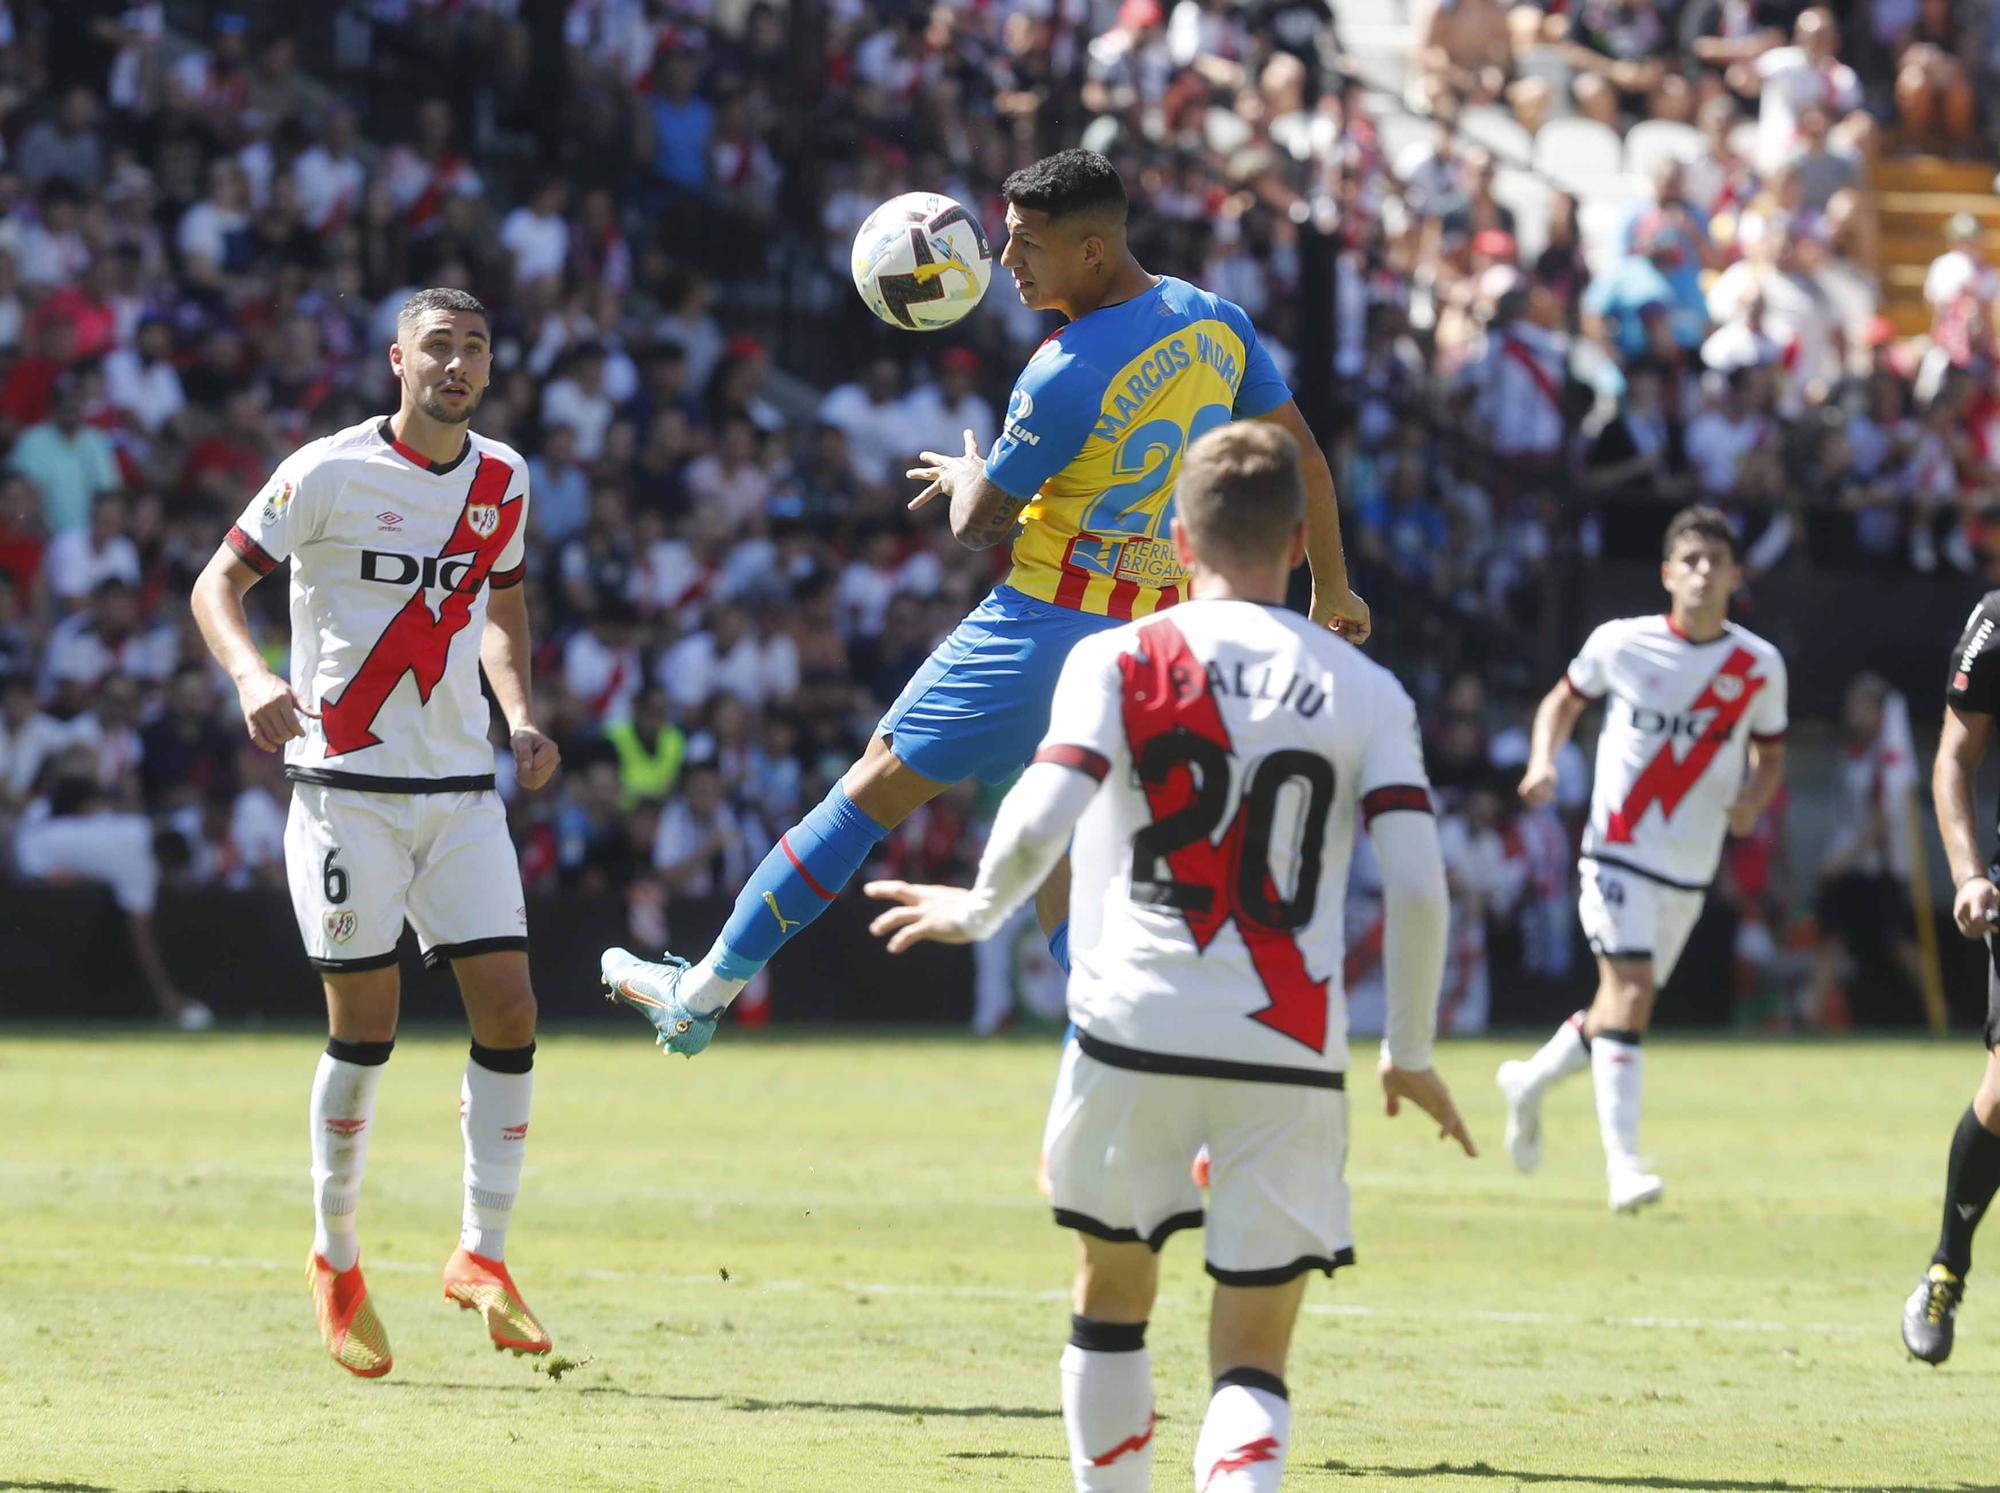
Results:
x,y
1572,150
1651,141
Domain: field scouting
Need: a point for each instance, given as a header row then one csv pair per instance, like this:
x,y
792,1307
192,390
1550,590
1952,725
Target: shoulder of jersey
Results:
x,y
485,445
1756,642
356,443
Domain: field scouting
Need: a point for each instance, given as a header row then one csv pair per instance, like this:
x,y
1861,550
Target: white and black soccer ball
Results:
x,y
921,261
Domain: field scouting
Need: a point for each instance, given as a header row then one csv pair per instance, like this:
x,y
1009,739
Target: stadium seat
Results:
x,y
1530,199
1400,133
1651,141
1499,132
1577,150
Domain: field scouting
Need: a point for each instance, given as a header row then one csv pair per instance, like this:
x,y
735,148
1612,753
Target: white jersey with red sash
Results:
x,y
1679,719
391,557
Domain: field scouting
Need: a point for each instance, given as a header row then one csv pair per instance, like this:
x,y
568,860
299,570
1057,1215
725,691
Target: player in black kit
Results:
x,y
1972,701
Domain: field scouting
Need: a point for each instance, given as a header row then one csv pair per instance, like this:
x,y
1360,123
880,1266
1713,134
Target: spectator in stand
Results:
x,y
1788,80
1638,461
580,401
65,146
330,177
1723,440
1620,51
71,464
537,234
650,748
141,380
1829,187
560,485
1934,89
1785,275
936,415
602,670
110,637
1518,386
214,238
80,559
1863,905
1963,291
74,833
731,478
873,414
186,752
680,123
1465,54
421,174
52,250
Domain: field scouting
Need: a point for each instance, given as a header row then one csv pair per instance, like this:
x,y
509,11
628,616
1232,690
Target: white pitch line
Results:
x,y
1008,1293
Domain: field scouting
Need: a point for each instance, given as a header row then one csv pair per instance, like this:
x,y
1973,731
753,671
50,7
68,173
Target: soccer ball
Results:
x,y
921,261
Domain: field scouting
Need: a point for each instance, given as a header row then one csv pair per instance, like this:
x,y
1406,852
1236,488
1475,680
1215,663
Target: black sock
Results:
x,y
1970,1183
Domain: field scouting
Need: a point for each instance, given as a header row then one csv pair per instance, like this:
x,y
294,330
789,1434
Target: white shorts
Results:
x,y
1120,1146
360,863
1629,916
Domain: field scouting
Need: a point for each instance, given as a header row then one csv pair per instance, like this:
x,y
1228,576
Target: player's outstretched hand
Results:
x,y
1423,1088
1346,613
923,914
1743,818
1538,784
1976,908
271,711
945,473
535,757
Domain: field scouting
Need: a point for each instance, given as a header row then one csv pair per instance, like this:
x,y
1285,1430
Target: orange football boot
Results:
x,y
347,1322
479,1284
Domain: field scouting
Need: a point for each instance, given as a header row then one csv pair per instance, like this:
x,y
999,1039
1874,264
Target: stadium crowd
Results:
x,y
204,239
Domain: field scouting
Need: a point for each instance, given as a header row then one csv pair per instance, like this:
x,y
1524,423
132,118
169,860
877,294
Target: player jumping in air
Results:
x,y
1212,764
403,533
1082,480
1692,697
1972,699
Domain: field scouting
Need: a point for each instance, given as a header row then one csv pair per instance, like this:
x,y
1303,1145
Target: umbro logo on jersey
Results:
x,y
389,521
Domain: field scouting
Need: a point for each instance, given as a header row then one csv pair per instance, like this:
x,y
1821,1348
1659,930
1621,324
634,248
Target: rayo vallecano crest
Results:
x,y
483,518
1726,687
340,924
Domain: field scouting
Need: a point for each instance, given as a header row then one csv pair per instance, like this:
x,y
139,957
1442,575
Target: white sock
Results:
x,y
705,992
1563,1053
343,1111
1107,1406
493,1116
1618,1069
1243,1441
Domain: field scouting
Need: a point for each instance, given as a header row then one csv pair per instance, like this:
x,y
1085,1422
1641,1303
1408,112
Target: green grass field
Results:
x,y
821,1264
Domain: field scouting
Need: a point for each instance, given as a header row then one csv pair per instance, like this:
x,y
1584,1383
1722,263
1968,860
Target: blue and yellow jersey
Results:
x,y
1094,433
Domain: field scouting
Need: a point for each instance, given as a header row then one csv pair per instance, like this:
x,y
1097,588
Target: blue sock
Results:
x,y
803,873
1059,946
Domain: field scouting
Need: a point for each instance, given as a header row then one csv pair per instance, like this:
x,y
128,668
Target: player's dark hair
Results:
x,y
1704,522
440,298
1240,493
1067,183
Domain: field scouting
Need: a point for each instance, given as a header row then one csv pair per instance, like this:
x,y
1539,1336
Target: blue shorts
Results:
x,y
979,705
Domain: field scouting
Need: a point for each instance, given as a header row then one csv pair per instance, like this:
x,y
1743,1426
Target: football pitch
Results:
x,y
820,1263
